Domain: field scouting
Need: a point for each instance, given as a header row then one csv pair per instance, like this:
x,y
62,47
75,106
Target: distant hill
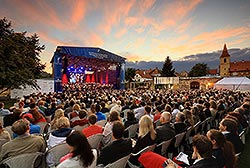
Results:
x,y
211,59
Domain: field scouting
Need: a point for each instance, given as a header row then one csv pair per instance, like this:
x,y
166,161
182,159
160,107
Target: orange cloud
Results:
x,y
183,26
121,32
78,11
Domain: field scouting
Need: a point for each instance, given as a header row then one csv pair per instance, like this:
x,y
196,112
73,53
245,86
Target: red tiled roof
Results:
x,y
148,73
212,71
240,66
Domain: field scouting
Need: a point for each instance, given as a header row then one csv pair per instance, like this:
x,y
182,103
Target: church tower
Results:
x,y
224,62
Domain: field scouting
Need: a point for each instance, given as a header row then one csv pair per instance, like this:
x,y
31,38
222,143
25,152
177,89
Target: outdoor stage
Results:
x,y
87,65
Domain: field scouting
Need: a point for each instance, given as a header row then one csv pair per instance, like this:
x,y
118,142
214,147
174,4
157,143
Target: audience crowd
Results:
x,y
214,119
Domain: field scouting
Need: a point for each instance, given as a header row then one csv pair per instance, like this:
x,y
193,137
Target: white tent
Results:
x,y
233,83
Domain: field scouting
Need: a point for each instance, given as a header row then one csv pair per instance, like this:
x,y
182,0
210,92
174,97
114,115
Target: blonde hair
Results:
x,y
145,126
58,114
62,122
76,107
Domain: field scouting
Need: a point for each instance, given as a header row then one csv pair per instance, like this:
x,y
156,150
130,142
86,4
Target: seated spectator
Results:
x,y
59,136
130,119
104,109
3,111
93,128
146,137
119,148
157,115
165,131
148,112
228,127
38,117
114,116
223,150
179,124
10,119
202,152
58,114
4,134
24,143
34,129
189,118
75,112
99,114
81,154
82,121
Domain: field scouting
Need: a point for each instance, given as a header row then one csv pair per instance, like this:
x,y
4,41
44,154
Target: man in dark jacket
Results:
x,y
118,148
165,131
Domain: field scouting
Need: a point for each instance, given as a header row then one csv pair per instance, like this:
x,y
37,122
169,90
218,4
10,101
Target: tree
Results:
x,y
167,69
129,74
199,69
19,58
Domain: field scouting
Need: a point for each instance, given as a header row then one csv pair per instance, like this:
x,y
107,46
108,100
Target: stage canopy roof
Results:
x,y
91,53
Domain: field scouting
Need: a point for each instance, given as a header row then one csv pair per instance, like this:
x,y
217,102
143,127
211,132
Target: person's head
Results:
x,y
118,130
82,114
213,104
76,107
168,108
180,117
29,117
21,127
147,109
206,105
114,116
130,115
79,146
158,108
97,108
92,119
1,105
145,126
219,141
37,116
202,147
32,105
229,125
62,122
165,117
59,113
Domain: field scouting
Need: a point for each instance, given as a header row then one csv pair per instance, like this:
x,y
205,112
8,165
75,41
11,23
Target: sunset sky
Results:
x,y
138,30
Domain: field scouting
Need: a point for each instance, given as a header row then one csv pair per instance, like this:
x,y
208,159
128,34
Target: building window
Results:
x,y
225,60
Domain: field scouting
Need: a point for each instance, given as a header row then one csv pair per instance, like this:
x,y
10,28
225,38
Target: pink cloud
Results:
x,y
121,32
183,26
78,11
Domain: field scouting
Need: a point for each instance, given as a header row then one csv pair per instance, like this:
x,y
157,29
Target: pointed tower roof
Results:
x,y
225,52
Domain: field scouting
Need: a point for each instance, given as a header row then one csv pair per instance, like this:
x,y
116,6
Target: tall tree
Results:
x,y
167,69
200,69
19,58
129,74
